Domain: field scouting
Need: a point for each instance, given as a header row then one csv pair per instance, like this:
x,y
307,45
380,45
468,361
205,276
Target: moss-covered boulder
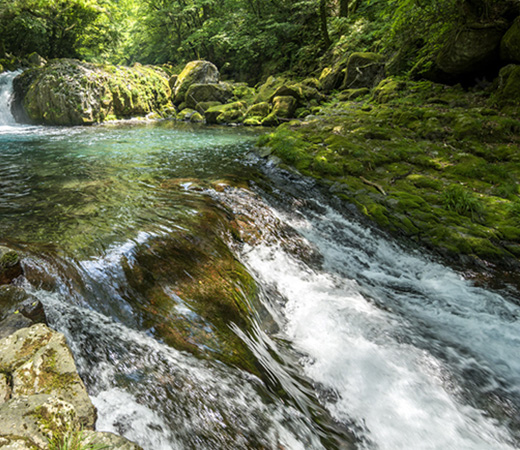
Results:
x,y
10,267
331,78
363,70
508,92
284,106
510,44
199,93
230,113
470,50
190,115
259,110
71,92
195,72
266,90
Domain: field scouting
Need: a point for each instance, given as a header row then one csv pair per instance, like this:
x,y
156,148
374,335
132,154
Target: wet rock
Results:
x,y
198,93
195,72
40,362
10,297
71,92
12,323
510,44
363,70
470,50
353,94
10,266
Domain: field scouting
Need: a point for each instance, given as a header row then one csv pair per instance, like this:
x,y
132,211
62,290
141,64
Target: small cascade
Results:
x,y
6,94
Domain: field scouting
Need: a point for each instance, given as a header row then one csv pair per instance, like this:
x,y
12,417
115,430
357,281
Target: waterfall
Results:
x,y
6,93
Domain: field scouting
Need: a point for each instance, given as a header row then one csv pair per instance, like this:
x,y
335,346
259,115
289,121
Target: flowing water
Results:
x,y
215,302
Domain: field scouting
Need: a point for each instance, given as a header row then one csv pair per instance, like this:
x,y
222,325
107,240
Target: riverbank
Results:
x,y
438,164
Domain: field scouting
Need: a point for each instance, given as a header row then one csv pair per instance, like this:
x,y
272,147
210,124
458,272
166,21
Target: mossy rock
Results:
x,y
363,70
388,89
223,113
271,120
510,44
260,110
266,90
254,121
331,78
284,106
10,266
353,94
195,72
198,93
204,106
508,92
186,114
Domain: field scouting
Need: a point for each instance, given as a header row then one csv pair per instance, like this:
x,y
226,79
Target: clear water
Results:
x,y
359,342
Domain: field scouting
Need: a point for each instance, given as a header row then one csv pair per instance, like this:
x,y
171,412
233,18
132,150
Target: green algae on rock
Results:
x,y
71,92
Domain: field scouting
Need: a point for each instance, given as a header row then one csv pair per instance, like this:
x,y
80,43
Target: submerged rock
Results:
x,y
71,92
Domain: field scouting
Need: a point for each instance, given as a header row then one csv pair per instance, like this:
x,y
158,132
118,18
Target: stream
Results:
x,y
215,301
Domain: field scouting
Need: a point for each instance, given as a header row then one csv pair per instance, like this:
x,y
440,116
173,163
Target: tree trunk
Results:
x,y
343,8
323,23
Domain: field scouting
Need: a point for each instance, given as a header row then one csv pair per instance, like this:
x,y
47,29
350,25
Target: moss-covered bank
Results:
x,y
435,163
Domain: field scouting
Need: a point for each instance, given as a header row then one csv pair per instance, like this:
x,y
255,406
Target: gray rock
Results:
x,y
5,388
33,420
200,93
40,362
110,440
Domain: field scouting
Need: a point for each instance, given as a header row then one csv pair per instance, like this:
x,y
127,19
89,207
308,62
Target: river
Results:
x,y
215,301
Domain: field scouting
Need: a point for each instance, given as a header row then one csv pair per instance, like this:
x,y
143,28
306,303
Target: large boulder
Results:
x,y
470,50
195,72
38,361
510,44
363,70
202,93
71,92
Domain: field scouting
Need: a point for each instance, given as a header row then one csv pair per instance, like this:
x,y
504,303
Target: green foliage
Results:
x,y
462,201
73,439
